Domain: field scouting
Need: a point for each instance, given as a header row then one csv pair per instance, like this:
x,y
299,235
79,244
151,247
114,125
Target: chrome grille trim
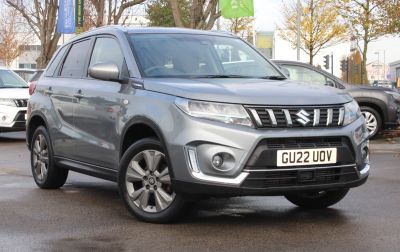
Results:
x,y
316,117
272,117
21,102
300,168
289,122
256,117
330,115
297,116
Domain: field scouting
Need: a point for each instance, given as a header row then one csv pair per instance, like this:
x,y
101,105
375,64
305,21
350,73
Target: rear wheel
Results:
x,y
145,185
45,173
372,119
317,199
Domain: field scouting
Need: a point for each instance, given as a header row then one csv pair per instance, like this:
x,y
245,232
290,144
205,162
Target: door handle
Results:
x,y
79,95
49,91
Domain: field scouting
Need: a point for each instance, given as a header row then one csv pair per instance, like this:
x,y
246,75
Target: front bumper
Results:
x,y
12,118
197,141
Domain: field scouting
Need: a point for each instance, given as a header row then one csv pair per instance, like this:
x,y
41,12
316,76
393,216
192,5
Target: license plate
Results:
x,y
303,157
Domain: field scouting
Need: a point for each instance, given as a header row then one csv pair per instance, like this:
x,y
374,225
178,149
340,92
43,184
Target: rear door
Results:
x,y
98,108
61,88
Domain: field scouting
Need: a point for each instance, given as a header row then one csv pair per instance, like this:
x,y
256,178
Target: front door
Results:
x,y
97,109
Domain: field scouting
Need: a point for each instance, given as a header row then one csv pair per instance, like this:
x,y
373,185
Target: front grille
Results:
x,y
21,102
293,116
300,177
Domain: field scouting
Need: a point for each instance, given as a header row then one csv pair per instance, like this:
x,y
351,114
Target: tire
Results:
x,y
45,173
372,119
317,200
146,189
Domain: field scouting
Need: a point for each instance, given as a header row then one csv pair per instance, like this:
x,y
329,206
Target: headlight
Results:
x,y
221,112
351,112
7,102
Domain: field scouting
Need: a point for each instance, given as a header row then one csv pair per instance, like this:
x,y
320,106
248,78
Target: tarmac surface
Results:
x,y
87,214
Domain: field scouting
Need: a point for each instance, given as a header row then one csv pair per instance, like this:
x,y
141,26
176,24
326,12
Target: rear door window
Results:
x,y
74,64
54,63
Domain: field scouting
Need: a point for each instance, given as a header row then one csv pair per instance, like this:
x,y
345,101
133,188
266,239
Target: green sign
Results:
x,y
79,15
236,8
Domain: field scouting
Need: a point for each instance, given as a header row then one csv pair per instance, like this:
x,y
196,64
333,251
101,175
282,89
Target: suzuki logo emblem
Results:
x,y
303,117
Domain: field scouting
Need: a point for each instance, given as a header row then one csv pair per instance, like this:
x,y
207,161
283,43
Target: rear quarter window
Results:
x,y
53,64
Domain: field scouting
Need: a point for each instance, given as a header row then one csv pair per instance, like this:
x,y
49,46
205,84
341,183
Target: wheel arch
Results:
x,y
35,120
377,105
147,128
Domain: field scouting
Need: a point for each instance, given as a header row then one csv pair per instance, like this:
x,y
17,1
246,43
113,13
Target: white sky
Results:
x,y
268,14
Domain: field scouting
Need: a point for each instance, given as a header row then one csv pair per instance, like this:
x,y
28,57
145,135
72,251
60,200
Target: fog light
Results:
x,y
217,161
3,118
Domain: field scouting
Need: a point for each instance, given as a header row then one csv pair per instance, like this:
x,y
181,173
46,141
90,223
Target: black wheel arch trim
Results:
x,y
364,101
150,123
28,123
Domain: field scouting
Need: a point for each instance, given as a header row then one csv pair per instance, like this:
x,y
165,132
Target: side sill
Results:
x,y
88,169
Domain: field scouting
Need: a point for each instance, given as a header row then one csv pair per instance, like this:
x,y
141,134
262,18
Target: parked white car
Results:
x,y
14,97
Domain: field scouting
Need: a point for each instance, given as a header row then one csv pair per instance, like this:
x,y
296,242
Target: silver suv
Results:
x,y
174,115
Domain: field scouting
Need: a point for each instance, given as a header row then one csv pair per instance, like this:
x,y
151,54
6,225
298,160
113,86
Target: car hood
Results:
x,y
14,93
248,91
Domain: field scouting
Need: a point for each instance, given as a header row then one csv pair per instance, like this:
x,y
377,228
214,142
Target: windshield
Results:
x,y
199,56
9,79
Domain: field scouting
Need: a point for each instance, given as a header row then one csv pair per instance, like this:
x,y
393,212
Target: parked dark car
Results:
x,y
380,106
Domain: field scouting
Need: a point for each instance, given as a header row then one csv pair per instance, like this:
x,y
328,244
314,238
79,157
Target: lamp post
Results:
x,y
384,62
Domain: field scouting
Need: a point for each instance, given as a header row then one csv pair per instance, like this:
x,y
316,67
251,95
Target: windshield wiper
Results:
x,y
274,77
222,76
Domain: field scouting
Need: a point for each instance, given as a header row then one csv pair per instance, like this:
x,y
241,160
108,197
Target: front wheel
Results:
x,y
145,185
317,199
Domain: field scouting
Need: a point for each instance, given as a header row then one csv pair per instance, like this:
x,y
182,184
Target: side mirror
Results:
x,y
105,71
330,83
285,71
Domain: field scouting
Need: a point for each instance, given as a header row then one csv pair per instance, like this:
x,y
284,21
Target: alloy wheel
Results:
x,y
148,182
371,122
40,157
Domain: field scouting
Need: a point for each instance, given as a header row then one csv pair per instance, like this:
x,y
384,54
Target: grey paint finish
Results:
x,y
102,110
248,91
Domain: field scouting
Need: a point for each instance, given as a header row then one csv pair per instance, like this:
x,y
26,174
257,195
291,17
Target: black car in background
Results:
x,y
380,106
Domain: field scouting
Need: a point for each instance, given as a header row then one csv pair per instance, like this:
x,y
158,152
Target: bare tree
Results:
x,y
203,13
114,12
12,42
41,17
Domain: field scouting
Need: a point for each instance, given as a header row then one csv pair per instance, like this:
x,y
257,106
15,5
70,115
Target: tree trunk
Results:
x,y
176,13
364,77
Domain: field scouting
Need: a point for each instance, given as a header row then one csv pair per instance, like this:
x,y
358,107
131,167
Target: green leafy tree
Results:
x,y
367,23
320,26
